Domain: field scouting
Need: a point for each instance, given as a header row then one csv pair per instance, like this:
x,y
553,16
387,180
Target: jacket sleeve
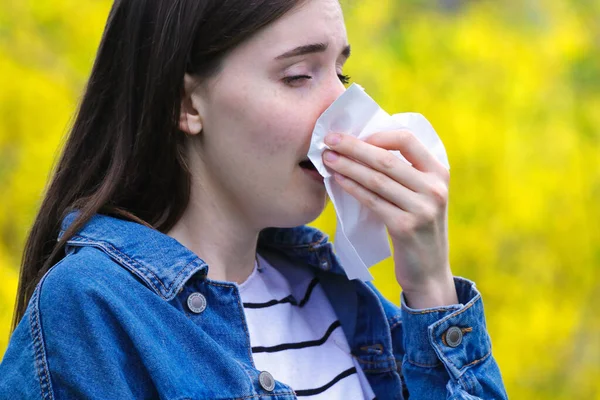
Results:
x,y
446,352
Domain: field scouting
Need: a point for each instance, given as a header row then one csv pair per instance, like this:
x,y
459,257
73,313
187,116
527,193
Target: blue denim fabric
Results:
x,y
110,321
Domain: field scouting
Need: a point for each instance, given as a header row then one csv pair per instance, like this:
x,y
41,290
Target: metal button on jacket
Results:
x,y
266,381
196,302
454,336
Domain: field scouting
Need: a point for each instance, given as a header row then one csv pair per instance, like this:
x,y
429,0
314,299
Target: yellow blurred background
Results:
x,y
513,89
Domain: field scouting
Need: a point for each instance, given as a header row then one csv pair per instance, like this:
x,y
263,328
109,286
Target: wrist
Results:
x,y
431,294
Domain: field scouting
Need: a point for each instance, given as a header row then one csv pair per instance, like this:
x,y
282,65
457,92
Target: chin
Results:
x,y
313,208
294,214
310,217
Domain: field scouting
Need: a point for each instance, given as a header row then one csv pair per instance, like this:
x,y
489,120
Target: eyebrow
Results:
x,y
311,48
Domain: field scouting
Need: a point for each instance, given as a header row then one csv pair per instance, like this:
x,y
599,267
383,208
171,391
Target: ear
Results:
x,y
190,117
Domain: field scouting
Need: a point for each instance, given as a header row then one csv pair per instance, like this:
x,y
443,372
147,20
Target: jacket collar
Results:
x,y
165,265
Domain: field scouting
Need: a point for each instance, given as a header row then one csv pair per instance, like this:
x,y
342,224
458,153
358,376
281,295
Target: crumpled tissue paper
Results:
x,y
361,239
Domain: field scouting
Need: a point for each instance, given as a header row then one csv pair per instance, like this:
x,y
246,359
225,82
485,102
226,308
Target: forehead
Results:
x,y
312,21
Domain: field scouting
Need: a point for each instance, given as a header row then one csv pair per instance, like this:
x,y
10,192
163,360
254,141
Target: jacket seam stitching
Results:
x,y
425,365
387,336
37,368
437,310
390,359
39,351
467,382
263,395
395,321
454,311
378,370
481,359
220,284
435,325
449,359
133,264
240,308
394,326
124,258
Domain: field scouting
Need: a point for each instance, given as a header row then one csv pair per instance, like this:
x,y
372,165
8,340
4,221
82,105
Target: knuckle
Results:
x,y
407,138
445,175
405,135
377,182
439,193
372,200
427,214
402,226
387,161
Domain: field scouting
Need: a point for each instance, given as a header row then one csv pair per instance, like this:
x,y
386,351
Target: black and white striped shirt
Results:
x,y
300,341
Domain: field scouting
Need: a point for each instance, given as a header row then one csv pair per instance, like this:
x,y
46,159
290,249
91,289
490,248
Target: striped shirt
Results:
x,y
300,341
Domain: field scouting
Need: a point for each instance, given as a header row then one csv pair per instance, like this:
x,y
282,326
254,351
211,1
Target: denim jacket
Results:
x,y
111,320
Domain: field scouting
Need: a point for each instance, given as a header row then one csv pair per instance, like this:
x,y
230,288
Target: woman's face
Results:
x,y
258,114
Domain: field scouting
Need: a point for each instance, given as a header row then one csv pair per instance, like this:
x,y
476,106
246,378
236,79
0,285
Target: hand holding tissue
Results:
x,y
361,239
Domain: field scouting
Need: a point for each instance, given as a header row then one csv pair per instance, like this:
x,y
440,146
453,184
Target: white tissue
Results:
x,y
361,239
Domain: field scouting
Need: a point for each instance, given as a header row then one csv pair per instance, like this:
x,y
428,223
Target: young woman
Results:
x,y
170,259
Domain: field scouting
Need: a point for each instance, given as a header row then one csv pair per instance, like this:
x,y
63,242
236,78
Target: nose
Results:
x,y
330,92
334,89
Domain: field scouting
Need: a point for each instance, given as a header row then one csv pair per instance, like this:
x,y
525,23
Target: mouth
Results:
x,y
310,169
308,165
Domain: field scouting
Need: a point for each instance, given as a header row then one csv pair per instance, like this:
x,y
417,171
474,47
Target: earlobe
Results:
x,y
190,123
190,118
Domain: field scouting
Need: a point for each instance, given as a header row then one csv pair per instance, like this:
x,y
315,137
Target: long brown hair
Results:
x,y
124,153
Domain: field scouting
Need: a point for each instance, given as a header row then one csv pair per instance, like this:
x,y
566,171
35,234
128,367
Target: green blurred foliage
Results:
x,y
513,89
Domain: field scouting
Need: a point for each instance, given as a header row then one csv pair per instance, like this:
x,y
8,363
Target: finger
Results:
x,y
378,159
387,212
411,148
375,181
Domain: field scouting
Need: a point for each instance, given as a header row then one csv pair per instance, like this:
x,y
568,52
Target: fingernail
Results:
x,y
339,177
330,156
333,139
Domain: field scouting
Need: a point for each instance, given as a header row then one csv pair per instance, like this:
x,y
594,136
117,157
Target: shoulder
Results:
x,y
87,303
68,320
86,285
83,272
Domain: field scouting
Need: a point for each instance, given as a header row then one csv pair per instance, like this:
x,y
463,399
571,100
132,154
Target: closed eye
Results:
x,y
296,78
345,79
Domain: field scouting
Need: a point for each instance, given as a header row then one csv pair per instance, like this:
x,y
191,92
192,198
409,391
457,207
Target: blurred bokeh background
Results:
x,y
513,89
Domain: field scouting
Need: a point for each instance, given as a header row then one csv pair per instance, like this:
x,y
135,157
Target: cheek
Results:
x,y
273,128
283,132
268,123
287,120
